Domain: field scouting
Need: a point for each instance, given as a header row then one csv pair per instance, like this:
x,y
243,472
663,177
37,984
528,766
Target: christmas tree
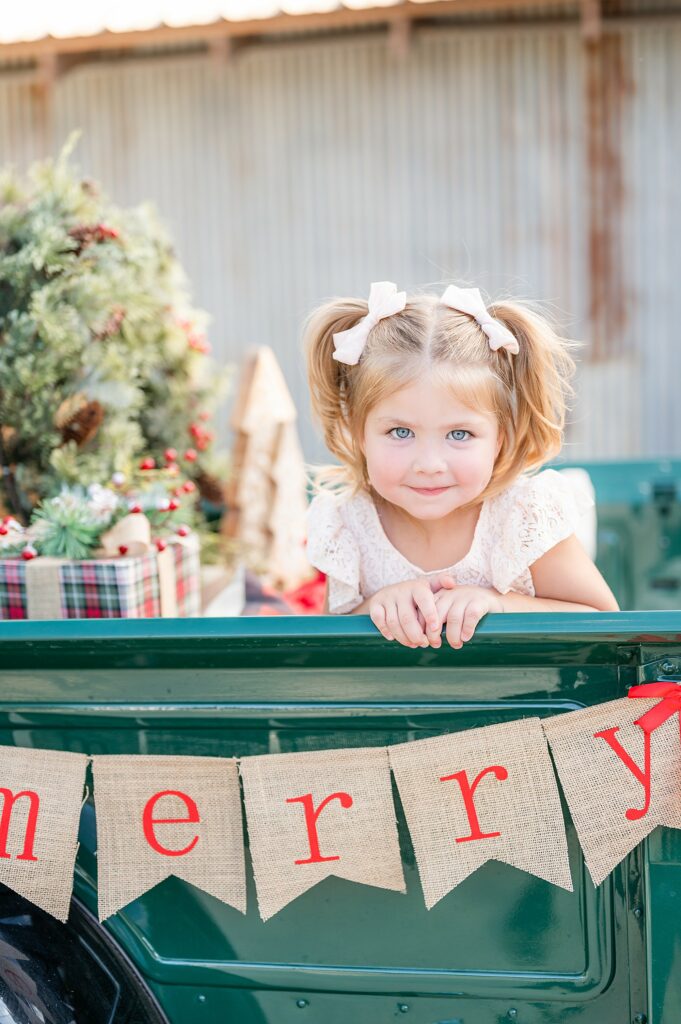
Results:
x,y
105,377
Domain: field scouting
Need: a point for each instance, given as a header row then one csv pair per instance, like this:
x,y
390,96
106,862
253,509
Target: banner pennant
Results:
x,y
485,794
315,814
162,816
41,796
619,764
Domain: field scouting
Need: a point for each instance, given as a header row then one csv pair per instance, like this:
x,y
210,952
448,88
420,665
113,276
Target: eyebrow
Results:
x,y
471,421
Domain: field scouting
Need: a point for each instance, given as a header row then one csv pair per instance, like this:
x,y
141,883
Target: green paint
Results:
x,y
503,940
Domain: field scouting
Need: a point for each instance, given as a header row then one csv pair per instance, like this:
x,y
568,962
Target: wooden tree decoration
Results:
x,y
266,497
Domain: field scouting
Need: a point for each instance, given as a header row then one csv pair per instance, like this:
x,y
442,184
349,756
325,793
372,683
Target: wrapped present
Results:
x,y
155,583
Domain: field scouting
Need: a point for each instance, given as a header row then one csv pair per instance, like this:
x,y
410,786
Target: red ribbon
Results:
x,y
670,703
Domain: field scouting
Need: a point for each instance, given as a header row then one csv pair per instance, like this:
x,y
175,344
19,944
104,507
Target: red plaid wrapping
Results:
x,y
117,588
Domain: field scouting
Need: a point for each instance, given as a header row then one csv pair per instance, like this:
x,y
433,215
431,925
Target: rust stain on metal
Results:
x,y
608,87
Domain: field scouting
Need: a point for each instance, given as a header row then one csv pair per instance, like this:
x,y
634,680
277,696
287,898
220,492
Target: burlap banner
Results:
x,y
42,794
620,780
162,816
486,794
316,814
468,797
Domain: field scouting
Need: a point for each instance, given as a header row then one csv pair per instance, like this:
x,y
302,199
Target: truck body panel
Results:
x,y
503,945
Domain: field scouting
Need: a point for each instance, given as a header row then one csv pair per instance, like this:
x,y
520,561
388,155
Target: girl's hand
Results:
x,y
407,611
462,608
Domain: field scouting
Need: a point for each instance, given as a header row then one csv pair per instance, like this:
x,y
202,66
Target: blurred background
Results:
x,y
301,151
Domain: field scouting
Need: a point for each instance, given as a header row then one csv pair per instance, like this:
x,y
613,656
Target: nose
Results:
x,y
429,459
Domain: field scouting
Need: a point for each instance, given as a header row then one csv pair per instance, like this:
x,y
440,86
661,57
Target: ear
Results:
x,y
500,440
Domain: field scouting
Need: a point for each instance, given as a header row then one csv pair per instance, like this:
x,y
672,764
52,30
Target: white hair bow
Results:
x,y
384,300
469,300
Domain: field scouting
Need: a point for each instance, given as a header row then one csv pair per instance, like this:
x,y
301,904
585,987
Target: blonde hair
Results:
x,y
527,392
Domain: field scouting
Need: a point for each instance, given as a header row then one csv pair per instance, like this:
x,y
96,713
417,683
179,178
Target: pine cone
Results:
x,y
112,325
210,489
8,438
79,424
83,235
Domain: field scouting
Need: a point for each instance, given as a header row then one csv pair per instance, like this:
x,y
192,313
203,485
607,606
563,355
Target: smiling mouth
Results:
x,y
430,490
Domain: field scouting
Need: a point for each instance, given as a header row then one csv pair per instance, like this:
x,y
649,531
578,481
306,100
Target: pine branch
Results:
x,y
16,506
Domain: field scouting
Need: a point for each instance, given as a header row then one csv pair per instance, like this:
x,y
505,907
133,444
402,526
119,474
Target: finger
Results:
x,y
474,612
429,618
378,617
442,582
454,620
392,618
443,602
421,621
406,609
443,599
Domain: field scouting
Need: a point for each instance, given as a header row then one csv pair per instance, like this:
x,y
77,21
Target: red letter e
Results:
x,y
148,822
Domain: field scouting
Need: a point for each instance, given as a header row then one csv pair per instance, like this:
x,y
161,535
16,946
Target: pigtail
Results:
x,y
330,382
538,378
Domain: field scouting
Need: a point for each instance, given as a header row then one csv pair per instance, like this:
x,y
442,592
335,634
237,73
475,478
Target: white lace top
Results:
x,y
347,542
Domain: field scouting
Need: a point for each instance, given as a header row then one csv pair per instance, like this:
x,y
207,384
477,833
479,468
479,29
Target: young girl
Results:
x,y
437,409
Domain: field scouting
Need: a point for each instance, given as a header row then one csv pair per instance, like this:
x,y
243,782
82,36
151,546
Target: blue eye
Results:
x,y
400,433
459,435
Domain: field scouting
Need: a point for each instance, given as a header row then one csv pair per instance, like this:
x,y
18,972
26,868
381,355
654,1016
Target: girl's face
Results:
x,y
427,452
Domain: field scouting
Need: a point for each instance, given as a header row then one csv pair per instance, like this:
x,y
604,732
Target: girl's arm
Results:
x,y
565,580
361,609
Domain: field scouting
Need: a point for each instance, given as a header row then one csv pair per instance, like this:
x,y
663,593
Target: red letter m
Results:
x,y
9,799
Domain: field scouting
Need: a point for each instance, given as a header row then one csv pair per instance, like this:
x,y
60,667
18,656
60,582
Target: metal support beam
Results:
x,y
591,20
400,36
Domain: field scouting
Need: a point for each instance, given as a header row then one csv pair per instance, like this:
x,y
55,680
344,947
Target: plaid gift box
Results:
x,y
107,588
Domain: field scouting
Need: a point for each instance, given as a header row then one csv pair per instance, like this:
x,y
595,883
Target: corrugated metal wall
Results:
x,y
513,158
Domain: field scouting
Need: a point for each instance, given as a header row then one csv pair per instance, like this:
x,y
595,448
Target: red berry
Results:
x,y
122,549
195,430
3,530
170,454
204,416
183,531
173,505
135,509
100,232
190,455
188,486
148,463
28,553
160,544
198,342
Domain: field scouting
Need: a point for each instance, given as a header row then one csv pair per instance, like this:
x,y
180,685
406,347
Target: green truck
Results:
x,y
503,946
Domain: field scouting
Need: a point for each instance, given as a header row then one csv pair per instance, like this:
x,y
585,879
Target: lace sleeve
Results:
x,y
332,549
539,512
